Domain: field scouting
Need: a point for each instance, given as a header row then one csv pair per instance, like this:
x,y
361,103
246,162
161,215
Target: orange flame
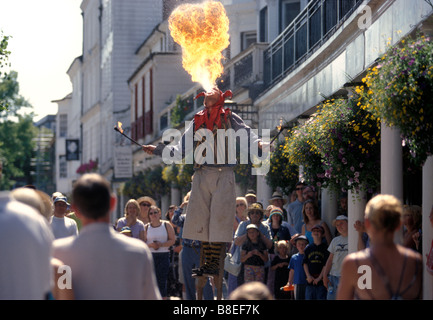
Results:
x,y
119,126
202,32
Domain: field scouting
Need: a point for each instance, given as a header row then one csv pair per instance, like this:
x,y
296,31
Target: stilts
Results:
x,y
212,256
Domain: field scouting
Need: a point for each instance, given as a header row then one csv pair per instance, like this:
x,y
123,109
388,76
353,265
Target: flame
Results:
x,y
119,126
202,32
281,125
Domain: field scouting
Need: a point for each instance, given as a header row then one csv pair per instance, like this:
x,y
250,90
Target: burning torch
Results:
x,y
280,129
119,129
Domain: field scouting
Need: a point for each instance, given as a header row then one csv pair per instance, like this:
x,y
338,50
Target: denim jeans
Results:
x,y
162,263
315,292
332,287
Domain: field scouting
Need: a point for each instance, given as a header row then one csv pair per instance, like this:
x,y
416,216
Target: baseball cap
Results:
x,y
63,199
339,218
318,226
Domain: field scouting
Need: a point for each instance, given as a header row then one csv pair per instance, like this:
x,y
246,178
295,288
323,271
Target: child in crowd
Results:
x,y
315,257
254,255
279,264
338,250
297,275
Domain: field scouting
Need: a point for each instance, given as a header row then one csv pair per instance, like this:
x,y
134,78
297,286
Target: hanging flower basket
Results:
x,y
400,90
91,166
338,146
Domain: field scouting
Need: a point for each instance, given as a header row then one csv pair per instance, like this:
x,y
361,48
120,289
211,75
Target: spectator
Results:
x,y
297,275
395,271
61,225
104,263
254,254
174,286
279,201
338,250
363,241
241,212
25,248
315,257
251,291
250,197
280,230
130,219
159,236
294,209
311,215
190,257
145,203
412,218
279,265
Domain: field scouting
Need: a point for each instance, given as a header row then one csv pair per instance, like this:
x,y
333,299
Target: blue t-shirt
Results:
x,y
296,263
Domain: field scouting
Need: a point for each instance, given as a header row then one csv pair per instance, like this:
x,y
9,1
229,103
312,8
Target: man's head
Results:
x,y
60,206
92,196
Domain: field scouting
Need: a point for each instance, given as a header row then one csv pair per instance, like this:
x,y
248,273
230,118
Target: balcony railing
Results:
x,y
307,32
243,69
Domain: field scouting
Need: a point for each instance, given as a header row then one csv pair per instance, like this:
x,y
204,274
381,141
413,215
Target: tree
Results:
x,y
17,133
10,98
4,55
17,148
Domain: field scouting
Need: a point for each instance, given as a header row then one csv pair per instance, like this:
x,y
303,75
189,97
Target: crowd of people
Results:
x,y
285,250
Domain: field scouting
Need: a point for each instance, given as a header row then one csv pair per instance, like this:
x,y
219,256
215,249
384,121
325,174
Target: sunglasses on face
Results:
x,y
297,189
239,204
153,212
144,204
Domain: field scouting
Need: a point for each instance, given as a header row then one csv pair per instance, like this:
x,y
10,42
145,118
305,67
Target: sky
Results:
x,y
46,37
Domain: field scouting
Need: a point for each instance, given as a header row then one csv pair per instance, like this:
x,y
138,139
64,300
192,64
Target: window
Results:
x,y
264,25
63,125
247,39
163,121
289,9
63,167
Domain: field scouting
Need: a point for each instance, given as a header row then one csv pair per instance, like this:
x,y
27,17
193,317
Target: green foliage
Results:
x,y
400,93
10,99
282,173
148,182
4,55
17,148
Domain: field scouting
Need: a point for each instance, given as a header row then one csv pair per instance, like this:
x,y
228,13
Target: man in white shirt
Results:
x,y
25,251
61,225
104,264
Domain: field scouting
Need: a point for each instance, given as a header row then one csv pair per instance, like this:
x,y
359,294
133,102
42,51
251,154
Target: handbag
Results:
x,y
232,262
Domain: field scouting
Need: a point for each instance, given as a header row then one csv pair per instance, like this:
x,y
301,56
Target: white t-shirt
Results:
x,y
157,234
25,252
339,248
63,227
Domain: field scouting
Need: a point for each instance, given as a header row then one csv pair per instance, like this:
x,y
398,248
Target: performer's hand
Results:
x,y
148,148
266,146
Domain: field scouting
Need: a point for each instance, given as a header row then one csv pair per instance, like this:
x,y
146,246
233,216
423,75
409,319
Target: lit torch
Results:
x,y
202,32
280,129
119,129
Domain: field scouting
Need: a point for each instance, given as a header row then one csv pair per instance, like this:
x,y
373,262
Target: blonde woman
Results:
x,y
386,270
131,220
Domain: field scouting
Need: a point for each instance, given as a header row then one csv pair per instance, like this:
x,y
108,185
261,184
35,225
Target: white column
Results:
x,y
264,191
329,208
391,167
391,162
175,196
427,231
356,203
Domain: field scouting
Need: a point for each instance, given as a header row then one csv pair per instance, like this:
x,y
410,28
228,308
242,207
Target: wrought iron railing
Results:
x,y
307,32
